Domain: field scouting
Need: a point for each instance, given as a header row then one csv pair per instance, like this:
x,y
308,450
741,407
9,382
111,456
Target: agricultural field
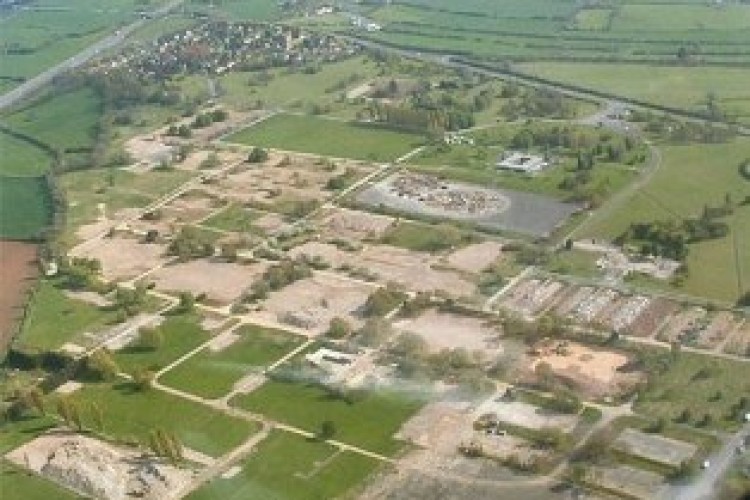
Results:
x,y
689,178
307,405
21,158
248,350
679,87
25,207
131,415
329,137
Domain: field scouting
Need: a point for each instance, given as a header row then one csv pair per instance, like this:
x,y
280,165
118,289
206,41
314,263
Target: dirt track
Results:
x,y
17,272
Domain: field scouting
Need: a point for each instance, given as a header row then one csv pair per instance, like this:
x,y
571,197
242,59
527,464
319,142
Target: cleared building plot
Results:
x,y
123,257
449,331
739,342
595,372
191,207
222,282
628,481
526,415
654,448
96,469
532,297
495,209
310,304
331,254
719,327
412,270
475,258
282,181
355,225
684,325
652,318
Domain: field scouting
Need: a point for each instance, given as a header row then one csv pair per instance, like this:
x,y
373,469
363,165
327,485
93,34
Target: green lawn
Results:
x,y
132,415
55,319
25,207
689,178
679,388
665,17
369,421
328,137
78,110
180,335
288,467
425,237
18,484
593,19
20,158
211,374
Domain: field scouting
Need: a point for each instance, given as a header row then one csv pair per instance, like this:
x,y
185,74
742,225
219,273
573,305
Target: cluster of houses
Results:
x,y
219,47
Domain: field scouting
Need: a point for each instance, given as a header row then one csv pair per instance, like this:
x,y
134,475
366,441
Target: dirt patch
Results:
x,y
739,342
311,304
330,254
654,448
222,282
521,414
191,207
628,481
124,258
356,225
69,387
475,258
223,341
412,270
595,372
451,331
18,269
97,469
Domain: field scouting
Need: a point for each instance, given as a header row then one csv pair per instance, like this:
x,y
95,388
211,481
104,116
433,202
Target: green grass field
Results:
x,y
369,421
19,158
25,207
180,334
234,218
18,484
289,467
425,237
55,319
131,415
665,17
689,178
681,387
675,86
211,374
78,110
327,137
593,19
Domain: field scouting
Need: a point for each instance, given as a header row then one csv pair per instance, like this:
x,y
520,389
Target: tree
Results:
x,y
257,155
327,430
339,328
67,411
143,379
187,302
100,365
97,415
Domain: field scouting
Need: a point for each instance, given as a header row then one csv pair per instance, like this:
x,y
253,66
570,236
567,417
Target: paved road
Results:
x,y
34,84
704,487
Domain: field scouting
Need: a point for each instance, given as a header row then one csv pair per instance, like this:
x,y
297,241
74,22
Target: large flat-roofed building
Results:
x,y
517,161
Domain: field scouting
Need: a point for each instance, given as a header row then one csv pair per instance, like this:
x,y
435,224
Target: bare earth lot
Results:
x,y
629,481
97,469
17,271
526,415
356,225
222,282
312,303
124,258
449,331
475,258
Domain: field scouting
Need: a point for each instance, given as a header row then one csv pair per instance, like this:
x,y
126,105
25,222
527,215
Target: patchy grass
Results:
x,y
329,137
234,218
19,484
369,420
290,467
212,374
701,384
425,237
54,319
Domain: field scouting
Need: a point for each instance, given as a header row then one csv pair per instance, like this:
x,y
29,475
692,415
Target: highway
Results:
x,y
36,83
